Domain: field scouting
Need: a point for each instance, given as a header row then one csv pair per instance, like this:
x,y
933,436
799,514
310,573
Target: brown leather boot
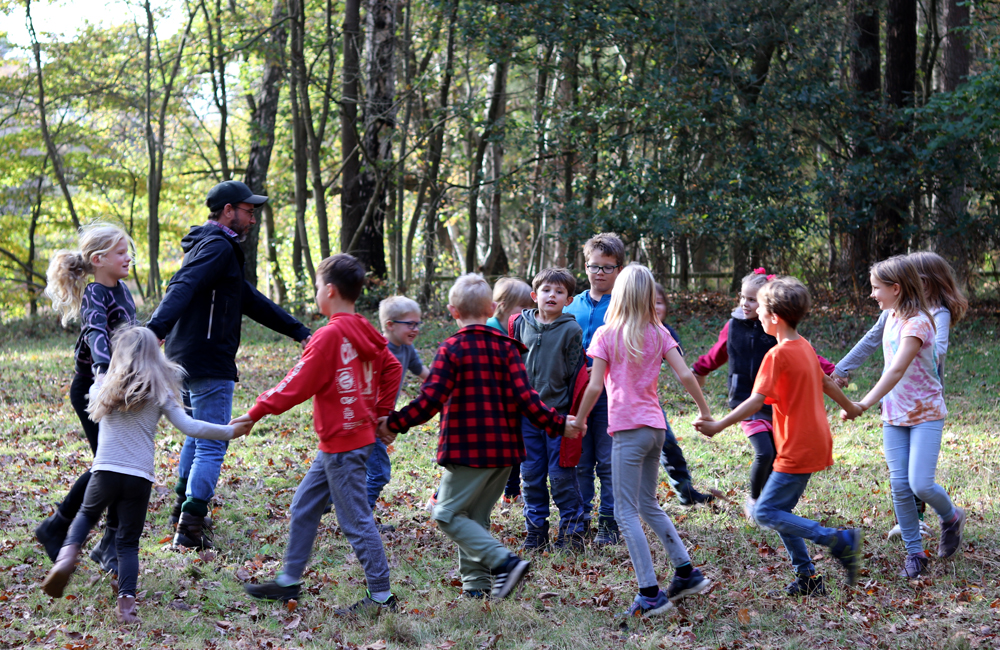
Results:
x,y
64,567
191,532
125,610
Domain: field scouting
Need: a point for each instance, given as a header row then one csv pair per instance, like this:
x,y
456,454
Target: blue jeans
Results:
x,y
911,454
774,510
543,462
596,455
211,400
378,472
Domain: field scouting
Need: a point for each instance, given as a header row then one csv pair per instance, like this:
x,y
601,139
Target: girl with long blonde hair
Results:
x,y
103,305
628,352
141,386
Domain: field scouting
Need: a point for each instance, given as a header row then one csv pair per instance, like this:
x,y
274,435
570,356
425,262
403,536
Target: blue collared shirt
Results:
x,y
589,315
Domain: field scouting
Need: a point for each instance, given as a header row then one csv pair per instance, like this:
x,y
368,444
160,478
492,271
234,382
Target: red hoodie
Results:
x,y
354,379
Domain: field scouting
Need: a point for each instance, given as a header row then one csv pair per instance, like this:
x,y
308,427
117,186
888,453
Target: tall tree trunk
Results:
x,y
217,74
50,145
263,115
350,212
277,288
496,262
403,268
300,164
493,117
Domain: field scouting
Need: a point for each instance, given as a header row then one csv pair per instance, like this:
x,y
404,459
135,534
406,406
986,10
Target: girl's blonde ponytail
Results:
x,y
66,278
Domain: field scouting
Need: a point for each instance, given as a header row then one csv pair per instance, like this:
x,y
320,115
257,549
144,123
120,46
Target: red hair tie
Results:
x,y
760,271
771,277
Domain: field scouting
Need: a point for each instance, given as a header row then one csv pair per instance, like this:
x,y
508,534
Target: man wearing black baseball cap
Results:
x,y
200,317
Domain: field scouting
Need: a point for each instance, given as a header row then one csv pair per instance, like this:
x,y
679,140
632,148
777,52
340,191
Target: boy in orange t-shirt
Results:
x,y
791,380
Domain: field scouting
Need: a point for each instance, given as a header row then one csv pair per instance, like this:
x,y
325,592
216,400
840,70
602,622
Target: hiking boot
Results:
x,y
693,584
191,532
369,605
914,566
607,532
688,496
125,610
847,550
806,586
105,553
273,591
951,534
508,575
51,533
58,576
643,606
537,539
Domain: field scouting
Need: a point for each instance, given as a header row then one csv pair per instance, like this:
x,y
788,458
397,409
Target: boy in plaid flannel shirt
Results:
x,y
479,383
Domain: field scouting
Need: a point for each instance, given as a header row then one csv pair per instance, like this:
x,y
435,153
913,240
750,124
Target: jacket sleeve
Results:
x,y
94,316
528,401
258,307
194,428
388,384
433,394
307,378
207,264
716,357
825,364
574,356
863,348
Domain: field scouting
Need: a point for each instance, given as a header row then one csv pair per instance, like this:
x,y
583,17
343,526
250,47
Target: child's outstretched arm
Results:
x,y
832,390
688,380
196,428
751,405
909,347
715,358
861,351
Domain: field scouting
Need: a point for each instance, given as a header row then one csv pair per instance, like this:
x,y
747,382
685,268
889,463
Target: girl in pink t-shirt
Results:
x,y
628,351
913,410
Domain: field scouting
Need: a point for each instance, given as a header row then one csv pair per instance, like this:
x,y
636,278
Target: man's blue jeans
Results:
x,y
543,463
774,510
596,455
211,400
378,472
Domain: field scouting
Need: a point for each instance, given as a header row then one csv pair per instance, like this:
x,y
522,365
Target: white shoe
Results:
x,y
896,531
748,507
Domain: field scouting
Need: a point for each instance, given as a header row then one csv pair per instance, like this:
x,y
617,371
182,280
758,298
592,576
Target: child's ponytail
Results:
x,y
139,372
68,271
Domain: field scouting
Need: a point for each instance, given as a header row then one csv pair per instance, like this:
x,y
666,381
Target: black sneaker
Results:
x,y
914,566
693,584
273,591
537,539
806,586
369,605
575,542
507,576
688,496
847,550
607,532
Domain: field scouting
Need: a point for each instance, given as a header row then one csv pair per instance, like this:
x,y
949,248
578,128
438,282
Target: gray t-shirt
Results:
x,y
409,359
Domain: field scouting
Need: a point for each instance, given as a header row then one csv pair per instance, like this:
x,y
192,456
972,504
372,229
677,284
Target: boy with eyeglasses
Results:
x,y
605,255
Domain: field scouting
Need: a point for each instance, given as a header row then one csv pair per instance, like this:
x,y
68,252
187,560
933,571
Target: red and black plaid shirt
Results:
x,y
479,383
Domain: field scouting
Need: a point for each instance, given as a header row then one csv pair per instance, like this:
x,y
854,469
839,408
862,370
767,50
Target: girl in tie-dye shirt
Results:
x,y
913,410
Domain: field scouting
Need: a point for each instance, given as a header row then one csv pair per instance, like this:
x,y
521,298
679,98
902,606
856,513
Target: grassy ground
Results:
x,y
189,600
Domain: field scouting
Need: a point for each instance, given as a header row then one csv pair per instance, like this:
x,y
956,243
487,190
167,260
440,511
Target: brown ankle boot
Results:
x,y
191,532
64,567
125,611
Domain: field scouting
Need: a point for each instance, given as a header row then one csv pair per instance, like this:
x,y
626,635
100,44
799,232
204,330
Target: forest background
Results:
x,y
434,137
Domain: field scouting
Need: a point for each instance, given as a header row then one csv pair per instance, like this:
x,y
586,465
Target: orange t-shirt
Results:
x,y
791,379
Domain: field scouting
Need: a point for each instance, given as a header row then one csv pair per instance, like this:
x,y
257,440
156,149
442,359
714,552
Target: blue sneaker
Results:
x,y
693,584
847,550
643,606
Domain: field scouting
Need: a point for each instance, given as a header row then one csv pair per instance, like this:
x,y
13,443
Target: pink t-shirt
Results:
x,y
918,397
631,384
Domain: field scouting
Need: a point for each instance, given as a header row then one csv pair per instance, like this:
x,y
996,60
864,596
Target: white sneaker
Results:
x,y
896,531
748,507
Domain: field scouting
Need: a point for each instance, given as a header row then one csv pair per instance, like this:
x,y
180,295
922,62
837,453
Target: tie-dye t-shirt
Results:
x,y
918,397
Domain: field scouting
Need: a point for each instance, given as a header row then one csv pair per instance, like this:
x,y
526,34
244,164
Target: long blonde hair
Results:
x,y
139,372
67,275
511,295
899,269
633,310
940,283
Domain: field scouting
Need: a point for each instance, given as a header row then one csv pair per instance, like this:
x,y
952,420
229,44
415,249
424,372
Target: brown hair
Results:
x,y
555,275
510,294
754,280
471,296
608,243
939,283
900,270
344,272
786,297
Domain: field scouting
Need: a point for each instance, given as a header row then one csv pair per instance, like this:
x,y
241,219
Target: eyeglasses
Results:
x,y
412,324
593,268
251,212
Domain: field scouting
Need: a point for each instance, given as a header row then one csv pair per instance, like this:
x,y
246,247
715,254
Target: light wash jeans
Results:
x,y
635,460
211,400
912,455
774,508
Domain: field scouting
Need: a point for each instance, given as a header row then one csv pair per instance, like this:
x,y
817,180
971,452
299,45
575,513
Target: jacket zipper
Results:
x,y
211,312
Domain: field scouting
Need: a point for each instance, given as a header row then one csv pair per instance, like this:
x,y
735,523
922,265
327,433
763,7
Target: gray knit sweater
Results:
x,y
126,439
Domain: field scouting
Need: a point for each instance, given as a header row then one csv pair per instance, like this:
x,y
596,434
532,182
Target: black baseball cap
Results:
x,y
231,192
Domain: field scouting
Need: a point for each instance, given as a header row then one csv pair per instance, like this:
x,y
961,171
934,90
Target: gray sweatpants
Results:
x,y
635,466
339,478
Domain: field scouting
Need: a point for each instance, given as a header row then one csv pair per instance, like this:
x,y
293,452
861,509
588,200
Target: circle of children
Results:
x,y
557,386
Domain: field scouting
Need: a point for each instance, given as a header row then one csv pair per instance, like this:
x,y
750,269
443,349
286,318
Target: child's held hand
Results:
x,y
842,382
856,411
241,428
574,429
707,426
386,436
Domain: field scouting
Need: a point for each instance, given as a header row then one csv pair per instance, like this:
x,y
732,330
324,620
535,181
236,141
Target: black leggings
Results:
x,y
78,391
763,460
128,498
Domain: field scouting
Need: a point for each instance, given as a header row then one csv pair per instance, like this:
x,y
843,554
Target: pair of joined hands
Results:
x,y
241,425
574,429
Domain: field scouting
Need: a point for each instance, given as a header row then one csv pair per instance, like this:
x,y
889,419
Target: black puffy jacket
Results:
x,y
202,311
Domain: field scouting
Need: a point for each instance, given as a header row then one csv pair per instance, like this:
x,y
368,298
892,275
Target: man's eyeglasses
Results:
x,y
249,211
593,268
412,324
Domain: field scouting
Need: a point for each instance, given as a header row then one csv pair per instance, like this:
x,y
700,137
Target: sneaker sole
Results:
x,y
961,534
690,591
513,580
659,610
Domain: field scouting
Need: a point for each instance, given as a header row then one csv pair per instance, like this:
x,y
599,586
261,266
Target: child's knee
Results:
x,y
923,490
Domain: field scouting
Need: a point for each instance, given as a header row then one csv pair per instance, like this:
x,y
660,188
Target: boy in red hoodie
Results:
x,y
479,384
352,376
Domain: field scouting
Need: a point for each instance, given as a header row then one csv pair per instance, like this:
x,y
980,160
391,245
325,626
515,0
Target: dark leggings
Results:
x,y
513,487
128,498
78,391
763,460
